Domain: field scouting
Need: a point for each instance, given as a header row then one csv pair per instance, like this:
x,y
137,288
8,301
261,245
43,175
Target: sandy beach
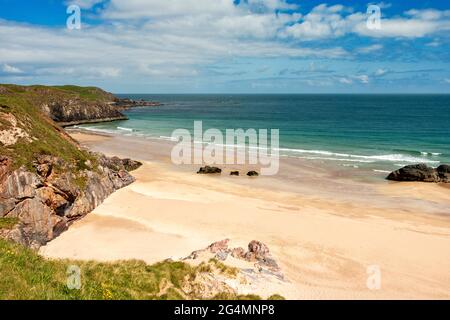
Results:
x,y
326,227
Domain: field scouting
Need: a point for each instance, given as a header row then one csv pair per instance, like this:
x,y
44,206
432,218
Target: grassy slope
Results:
x,y
49,139
26,275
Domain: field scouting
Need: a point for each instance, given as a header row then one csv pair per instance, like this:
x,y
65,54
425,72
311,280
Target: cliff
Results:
x,y
69,105
46,180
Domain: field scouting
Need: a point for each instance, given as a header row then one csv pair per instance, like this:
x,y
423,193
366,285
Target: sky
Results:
x,y
228,46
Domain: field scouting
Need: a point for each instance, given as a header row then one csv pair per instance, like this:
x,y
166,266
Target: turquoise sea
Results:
x,y
377,132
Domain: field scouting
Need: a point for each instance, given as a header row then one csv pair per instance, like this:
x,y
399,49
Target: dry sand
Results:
x,y
324,229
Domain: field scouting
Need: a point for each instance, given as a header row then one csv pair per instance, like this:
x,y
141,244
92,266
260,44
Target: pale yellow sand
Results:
x,y
323,243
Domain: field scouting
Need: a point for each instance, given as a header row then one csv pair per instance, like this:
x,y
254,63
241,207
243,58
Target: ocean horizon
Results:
x,y
379,132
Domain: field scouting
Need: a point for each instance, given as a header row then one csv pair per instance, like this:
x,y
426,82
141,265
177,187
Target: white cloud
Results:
x,y
6,68
407,28
380,72
336,21
83,4
163,46
369,49
363,78
345,80
322,22
154,39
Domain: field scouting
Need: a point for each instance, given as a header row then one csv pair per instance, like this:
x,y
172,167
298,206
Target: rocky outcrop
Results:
x,y
69,112
236,271
125,104
48,199
209,170
46,180
257,253
421,172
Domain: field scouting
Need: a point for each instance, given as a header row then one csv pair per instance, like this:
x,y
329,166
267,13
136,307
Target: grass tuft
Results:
x,y
25,275
8,223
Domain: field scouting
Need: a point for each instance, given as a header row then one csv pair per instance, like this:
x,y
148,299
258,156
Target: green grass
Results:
x,y
8,223
47,138
26,275
88,93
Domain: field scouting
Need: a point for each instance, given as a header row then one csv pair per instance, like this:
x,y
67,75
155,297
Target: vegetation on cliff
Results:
x,y
26,275
20,113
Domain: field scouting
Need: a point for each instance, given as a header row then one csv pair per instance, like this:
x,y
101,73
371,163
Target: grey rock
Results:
x,y
421,172
221,255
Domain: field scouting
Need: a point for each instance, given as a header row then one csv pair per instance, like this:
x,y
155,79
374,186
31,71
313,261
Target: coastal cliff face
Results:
x,y
73,111
69,105
46,201
46,180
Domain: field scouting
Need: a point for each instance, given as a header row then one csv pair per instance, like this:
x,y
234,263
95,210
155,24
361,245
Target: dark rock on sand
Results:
x,y
234,173
209,170
252,174
421,172
444,173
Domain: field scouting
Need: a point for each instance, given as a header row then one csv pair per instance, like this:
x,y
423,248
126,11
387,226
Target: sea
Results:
x,y
376,132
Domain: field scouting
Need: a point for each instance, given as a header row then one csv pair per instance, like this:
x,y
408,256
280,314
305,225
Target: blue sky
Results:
x,y
228,46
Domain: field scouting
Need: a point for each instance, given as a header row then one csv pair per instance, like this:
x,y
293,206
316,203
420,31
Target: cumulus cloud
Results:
x,y
178,38
84,4
337,21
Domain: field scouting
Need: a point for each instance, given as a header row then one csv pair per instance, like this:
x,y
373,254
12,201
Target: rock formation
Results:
x,y
71,105
47,200
241,271
258,253
209,170
69,112
124,104
46,180
421,172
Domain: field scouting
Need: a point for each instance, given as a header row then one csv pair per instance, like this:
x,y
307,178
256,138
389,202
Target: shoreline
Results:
x,y
323,227
91,121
